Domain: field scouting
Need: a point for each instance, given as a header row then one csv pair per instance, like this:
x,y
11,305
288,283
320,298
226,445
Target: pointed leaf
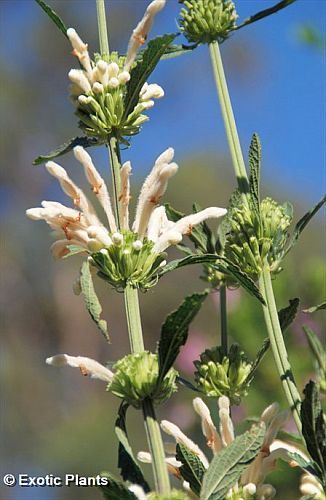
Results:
x,y
302,224
115,490
305,465
227,466
266,12
186,383
86,142
91,300
53,16
254,180
176,50
174,331
129,468
74,250
260,354
316,347
192,469
313,426
139,74
288,314
315,308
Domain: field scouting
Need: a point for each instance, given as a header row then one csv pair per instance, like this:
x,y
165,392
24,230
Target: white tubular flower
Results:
x,y
157,223
213,440
186,224
141,31
80,50
172,463
226,425
87,366
168,238
310,486
151,91
174,431
98,185
138,492
265,492
60,248
124,197
79,78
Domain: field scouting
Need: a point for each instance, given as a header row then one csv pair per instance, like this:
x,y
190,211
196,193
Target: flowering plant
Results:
x,y
111,96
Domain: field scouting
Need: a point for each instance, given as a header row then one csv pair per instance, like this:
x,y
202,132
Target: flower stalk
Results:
x,y
223,316
265,283
153,433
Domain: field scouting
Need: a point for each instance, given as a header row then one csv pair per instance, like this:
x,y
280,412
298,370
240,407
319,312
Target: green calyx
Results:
x,y
174,495
101,112
204,21
128,261
219,375
256,238
136,378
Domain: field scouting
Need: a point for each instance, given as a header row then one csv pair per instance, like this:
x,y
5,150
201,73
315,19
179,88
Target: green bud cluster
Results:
x,y
136,378
219,375
103,113
203,21
174,495
256,238
124,263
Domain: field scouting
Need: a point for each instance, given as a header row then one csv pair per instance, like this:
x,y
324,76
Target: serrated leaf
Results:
x,y
140,73
259,356
222,265
86,142
192,469
313,309
266,12
176,50
254,180
227,466
316,347
287,315
127,463
174,331
93,305
115,490
302,224
313,426
53,16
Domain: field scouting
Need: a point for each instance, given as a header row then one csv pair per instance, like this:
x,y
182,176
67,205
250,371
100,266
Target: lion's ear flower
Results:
x,y
87,366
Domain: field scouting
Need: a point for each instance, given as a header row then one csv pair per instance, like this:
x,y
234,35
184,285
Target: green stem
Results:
x,y
133,319
102,29
161,478
228,117
115,162
278,346
223,315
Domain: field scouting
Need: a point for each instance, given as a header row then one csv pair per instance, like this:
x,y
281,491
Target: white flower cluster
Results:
x,y
251,484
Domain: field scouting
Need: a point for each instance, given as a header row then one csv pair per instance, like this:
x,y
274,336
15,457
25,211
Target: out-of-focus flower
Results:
x,y
251,484
122,255
87,366
311,487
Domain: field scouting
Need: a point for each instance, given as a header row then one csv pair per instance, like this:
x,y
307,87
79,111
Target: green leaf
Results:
x,y
227,466
140,73
259,356
74,250
313,426
305,465
254,180
287,315
316,347
220,264
175,50
192,469
174,331
53,16
93,305
115,490
266,12
302,224
315,308
86,142
127,463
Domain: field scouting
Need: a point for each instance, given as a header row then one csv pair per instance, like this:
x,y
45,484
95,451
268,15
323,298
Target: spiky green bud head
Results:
x,y
204,21
256,238
136,378
174,495
219,375
129,262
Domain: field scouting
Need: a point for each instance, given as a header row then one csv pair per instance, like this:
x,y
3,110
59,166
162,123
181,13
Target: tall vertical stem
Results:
x,y
133,319
102,28
278,345
115,162
223,316
228,117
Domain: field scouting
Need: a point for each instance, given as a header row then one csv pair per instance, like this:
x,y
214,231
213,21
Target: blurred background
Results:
x,y
55,421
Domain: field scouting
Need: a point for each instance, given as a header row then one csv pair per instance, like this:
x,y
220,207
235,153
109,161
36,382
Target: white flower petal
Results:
x,y
87,366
